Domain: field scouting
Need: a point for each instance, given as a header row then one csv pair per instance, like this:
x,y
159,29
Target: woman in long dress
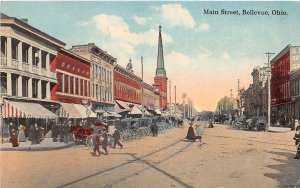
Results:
x,y
191,134
21,135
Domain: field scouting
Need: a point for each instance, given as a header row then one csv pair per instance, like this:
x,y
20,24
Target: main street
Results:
x,y
227,158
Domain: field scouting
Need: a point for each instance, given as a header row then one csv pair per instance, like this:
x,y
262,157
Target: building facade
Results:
x,y
295,94
160,79
150,96
282,66
127,85
26,57
102,69
73,78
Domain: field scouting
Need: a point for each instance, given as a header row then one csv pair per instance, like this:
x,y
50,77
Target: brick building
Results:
x,y
127,85
282,66
160,79
295,94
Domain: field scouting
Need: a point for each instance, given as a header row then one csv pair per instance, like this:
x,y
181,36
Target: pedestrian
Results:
x,y
293,124
152,128
61,131
96,144
66,132
297,138
105,141
210,123
117,137
191,134
156,129
14,138
55,131
21,135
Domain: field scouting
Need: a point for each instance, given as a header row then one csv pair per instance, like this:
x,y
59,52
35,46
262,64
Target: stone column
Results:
x,y
20,54
9,52
8,84
40,61
30,58
48,90
48,64
39,89
20,86
30,88
74,85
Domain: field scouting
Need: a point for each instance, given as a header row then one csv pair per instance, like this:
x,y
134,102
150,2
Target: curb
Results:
x,y
37,148
273,131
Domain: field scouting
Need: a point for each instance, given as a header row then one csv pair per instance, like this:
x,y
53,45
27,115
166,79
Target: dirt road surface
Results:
x,y
226,158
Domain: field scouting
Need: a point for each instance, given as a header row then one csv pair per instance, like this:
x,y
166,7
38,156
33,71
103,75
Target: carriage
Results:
x,y
84,135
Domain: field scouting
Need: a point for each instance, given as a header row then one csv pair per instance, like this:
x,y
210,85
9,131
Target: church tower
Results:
x,y
160,79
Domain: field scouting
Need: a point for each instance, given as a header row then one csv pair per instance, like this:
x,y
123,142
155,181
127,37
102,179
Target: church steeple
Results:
x,y
160,68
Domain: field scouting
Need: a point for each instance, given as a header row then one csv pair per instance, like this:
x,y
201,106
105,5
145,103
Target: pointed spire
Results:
x,y
160,69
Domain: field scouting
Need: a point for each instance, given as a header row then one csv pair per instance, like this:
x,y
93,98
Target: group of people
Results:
x,y
194,134
61,129
101,138
18,134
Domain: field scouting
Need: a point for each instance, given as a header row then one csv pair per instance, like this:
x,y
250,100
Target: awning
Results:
x,y
135,110
71,110
13,109
118,110
68,110
84,111
123,104
157,111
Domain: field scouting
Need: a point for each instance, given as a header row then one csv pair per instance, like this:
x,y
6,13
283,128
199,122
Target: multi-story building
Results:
x,y
160,79
26,78
295,93
102,67
282,66
127,85
150,96
73,84
73,78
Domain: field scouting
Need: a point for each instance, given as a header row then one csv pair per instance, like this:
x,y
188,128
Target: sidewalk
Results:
x,y
46,144
279,129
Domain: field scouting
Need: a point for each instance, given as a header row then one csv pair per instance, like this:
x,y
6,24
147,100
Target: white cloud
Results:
x,y
225,56
82,23
177,58
203,27
140,20
176,15
117,29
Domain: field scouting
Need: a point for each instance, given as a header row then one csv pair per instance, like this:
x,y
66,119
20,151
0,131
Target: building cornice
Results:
x,y
14,22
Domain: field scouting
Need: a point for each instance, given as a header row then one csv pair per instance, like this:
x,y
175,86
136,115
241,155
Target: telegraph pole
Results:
x,y
269,54
142,98
1,112
170,103
175,106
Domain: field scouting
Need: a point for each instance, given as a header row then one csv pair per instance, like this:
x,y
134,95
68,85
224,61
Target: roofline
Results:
x,y
30,29
136,76
92,45
74,54
280,54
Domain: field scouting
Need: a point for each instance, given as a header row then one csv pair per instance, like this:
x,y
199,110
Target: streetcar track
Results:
x,y
117,166
154,166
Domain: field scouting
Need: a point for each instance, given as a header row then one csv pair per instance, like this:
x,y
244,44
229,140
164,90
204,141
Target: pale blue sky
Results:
x,y
204,54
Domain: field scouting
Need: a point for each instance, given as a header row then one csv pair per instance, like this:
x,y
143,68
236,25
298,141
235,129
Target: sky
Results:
x,y
205,54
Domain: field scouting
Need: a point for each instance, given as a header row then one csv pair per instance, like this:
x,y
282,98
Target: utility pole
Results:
x,y
1,113
269,54
142,97
231,93
175,104
170,103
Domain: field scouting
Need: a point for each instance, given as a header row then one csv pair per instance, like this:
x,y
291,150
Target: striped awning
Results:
x,y
14,109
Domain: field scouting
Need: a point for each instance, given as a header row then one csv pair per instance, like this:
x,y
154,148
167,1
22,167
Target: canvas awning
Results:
x,y
123,105
111,114
14,109
157,111
135,110
71,110
118,110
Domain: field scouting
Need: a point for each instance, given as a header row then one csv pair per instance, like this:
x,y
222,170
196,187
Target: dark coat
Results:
x,y
190,134
117,135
